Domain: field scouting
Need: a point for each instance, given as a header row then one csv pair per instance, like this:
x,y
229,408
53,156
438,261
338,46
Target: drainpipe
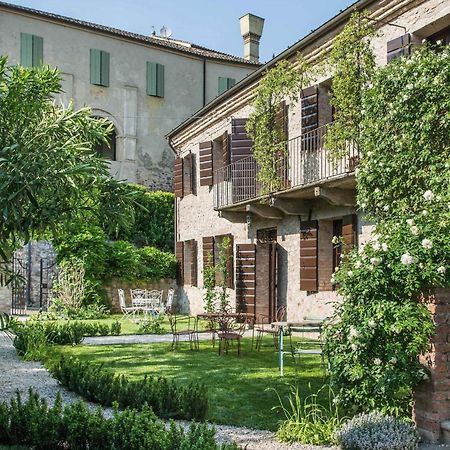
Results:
x,y
204,81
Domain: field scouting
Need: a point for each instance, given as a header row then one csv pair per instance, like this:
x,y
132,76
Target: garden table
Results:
x,y
305,326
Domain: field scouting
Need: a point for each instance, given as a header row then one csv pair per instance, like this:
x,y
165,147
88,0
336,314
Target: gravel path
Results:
x,y
16,374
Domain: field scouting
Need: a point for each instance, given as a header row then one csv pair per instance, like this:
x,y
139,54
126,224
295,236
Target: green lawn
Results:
x,y
240,387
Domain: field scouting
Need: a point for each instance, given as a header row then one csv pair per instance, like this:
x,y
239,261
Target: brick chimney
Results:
x,y
251,31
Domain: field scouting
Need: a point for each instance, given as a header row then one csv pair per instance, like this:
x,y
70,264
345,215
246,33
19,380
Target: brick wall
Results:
x,y
432,398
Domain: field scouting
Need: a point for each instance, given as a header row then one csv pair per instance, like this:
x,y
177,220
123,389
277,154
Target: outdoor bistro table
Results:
x,y
306,326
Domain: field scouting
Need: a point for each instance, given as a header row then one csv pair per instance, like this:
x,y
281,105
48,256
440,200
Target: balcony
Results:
x,y
307,164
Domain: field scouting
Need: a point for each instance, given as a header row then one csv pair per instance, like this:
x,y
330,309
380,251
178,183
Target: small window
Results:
x,y
99,67
31,50
225,84
155,79
108,150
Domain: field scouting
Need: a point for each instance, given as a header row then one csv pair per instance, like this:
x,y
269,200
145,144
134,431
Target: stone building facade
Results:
x,y
144,85
217,198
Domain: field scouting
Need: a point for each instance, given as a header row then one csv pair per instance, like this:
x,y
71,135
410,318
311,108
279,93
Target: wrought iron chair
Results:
x,y
184,326
264,327
126,310
231,329
170,301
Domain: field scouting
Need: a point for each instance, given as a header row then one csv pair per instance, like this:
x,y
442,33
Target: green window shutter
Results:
x,y
223,85
26,50
104,71
38,51
230,82
95,66
155,79
160,80
151,78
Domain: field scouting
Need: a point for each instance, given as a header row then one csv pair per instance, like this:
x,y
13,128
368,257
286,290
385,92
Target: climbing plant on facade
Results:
x,y
381,327
352,61
282,82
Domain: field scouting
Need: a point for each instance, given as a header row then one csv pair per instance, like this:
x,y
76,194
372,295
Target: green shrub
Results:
x,y
167,399
75,427
307,421
116,328
156,264
122,260
154,220
375,431
152,325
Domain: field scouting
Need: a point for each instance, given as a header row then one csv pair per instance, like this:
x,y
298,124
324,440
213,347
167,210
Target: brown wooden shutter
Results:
x,y
309,231
349,232
241,144
188,174
178,177
310,109
245,277
179,254
400,46
208,251
225,149
230,262
206,163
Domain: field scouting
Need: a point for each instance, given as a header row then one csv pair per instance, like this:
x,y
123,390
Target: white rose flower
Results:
x,y
353,332
393,360
386,208
424,212
332,280
361,250
424,41
335,240
427,243
407,259
439,42
384,246
350,273
441,270
415,230
354,347
375,261
371,323
421,266
410,222
358,264
428,196
377,361
376,237
376,246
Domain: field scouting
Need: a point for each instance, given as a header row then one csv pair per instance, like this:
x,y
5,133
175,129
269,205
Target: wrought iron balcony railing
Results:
x,y
307,162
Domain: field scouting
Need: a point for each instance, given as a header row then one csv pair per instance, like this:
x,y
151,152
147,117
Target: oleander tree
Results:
x,y
374,340
50,174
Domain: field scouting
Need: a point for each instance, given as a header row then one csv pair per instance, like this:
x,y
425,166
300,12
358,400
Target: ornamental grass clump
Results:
x,y
374,431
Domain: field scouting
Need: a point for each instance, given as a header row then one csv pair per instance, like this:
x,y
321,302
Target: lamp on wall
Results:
x,y
249,219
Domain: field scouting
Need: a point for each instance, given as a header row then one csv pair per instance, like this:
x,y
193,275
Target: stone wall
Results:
x,y
112,286
432,398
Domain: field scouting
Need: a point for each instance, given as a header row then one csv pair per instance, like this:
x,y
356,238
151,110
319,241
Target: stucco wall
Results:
x,y
141,121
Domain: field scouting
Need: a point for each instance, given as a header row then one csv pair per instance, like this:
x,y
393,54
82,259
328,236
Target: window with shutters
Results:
x,y
309,231
99,67
190,262
206,163
398,47
225,84
31,50
155,79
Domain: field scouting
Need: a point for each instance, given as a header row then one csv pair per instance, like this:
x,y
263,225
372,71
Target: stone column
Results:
x,y
432,397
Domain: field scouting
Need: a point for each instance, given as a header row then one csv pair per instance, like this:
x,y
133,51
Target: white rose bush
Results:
x,y
374,340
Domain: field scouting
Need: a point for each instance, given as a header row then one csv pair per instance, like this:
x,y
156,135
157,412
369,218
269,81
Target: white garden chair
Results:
x,y
126,310
168,307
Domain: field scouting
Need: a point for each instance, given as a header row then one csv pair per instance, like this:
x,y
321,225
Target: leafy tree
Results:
x,y
49,172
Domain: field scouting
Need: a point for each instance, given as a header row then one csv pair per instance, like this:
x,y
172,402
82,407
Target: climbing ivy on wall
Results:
x,y
352,62
283,82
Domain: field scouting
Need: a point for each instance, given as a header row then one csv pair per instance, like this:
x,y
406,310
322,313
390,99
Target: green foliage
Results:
x,y
56,146
353,64
307,421
381,328
373,430
166,398
284,81
122,260
154,220
209,285
76,427
156,264
152,325
34,336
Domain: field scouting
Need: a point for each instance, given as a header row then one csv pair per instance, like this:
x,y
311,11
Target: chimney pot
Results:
x,y
251,31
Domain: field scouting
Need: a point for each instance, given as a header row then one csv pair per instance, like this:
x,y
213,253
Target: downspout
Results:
x,y
204,81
